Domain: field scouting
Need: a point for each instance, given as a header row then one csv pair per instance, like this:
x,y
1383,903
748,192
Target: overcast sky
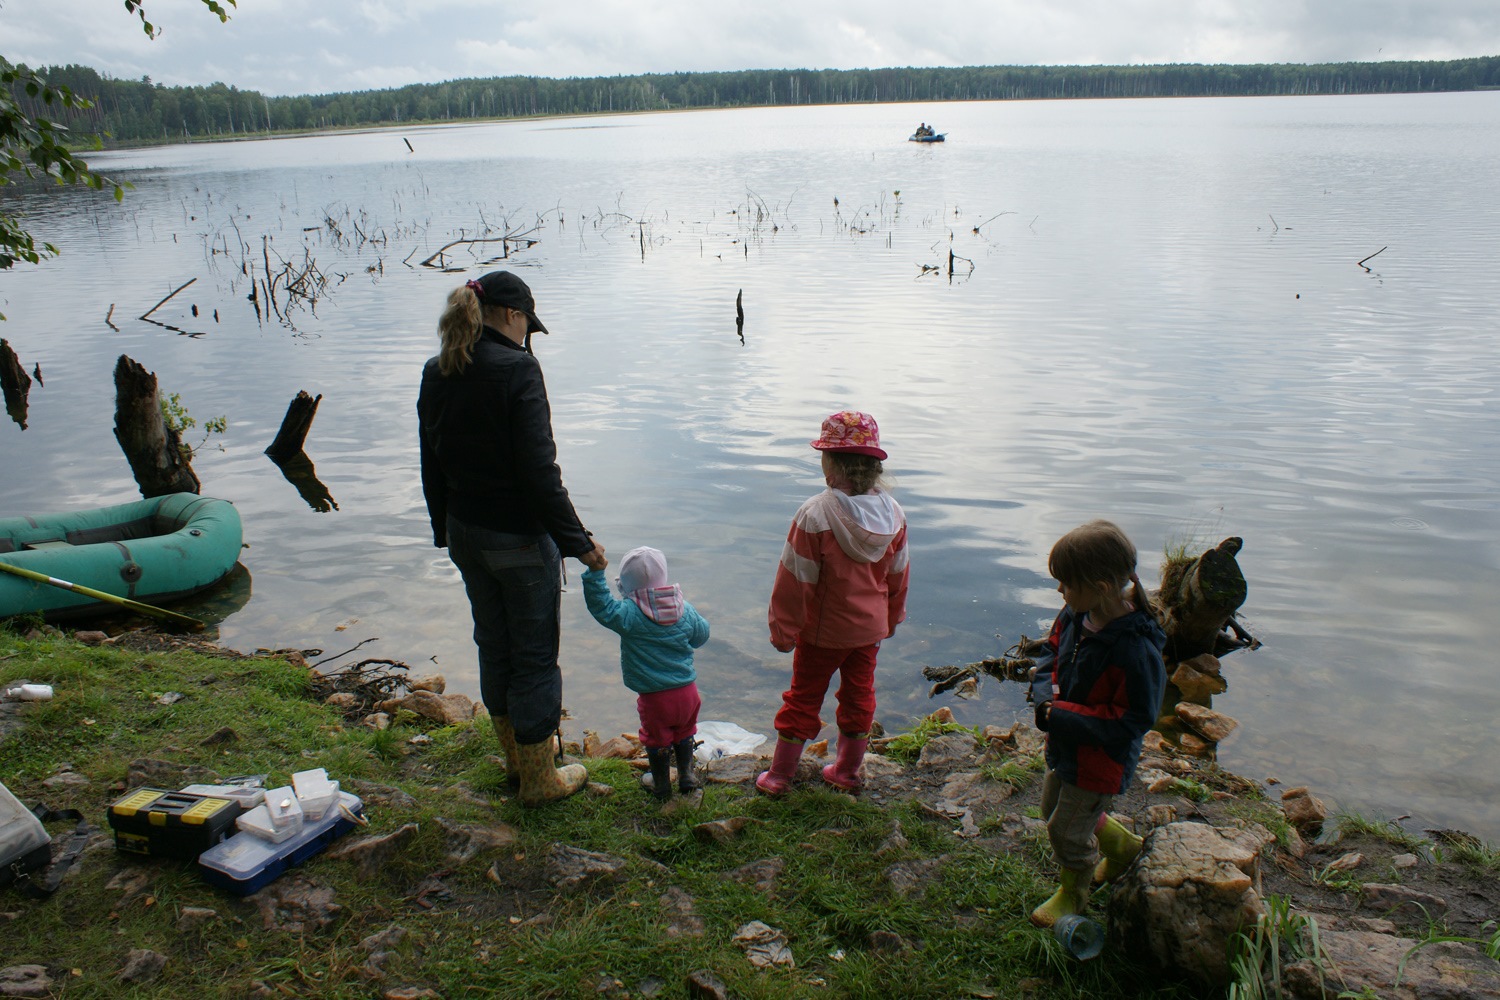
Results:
x,y
319,46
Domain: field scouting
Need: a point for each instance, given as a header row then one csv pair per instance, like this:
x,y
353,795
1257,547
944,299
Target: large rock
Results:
x,y
1212,726
949,750
1199,679
1193,887
1304,810
448,709
1369,963
25,981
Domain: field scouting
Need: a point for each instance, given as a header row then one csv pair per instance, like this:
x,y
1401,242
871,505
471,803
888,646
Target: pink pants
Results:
x,y
812,669
669,716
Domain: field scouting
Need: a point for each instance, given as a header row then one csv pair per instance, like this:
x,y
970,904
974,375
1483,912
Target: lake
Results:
x,y
1155,313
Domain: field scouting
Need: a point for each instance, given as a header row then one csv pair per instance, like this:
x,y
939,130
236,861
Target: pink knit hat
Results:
x,y
852,432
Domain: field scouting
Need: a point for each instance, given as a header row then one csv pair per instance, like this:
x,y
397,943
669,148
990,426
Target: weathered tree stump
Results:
x,y
294,426
158,460
14,382
1197,602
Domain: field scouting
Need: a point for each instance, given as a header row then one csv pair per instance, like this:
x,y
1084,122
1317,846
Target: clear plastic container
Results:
x,y
315,792
283,808
1084,938
257,823
249,798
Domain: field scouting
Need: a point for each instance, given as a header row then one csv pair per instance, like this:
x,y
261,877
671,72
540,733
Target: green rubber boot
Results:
x,y
1071,897
1119,847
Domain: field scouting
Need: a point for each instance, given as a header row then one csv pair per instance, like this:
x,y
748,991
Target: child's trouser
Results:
x,y
670,716
1071,814
812,669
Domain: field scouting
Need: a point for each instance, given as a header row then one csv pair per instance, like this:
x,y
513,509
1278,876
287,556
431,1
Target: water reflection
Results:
x,y
1136,340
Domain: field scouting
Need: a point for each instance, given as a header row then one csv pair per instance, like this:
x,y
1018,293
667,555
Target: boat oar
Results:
x,y
99,595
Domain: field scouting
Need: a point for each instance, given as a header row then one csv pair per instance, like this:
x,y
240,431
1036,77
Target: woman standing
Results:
x,y
497,502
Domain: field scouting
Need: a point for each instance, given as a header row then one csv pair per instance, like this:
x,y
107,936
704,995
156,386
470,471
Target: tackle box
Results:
x,y
246,863
166,824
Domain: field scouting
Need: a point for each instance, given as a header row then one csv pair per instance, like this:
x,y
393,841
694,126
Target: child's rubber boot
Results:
x,y
1119,847
506,734
843,773
687,779
542,780
658,781
1071,897
778,779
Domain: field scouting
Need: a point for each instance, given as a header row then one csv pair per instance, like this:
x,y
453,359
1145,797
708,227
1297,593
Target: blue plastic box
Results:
x,y
245,863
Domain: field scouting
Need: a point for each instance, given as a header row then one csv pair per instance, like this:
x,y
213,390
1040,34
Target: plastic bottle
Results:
x,y
1084,938
30,692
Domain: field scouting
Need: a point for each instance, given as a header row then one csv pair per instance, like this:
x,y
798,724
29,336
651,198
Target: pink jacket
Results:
x,y
842,578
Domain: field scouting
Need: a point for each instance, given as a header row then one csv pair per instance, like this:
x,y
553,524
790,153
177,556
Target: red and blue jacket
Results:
x,y
1106,689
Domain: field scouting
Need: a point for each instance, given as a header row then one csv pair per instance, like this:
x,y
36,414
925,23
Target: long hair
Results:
x,y
1095,552
459,327
862,472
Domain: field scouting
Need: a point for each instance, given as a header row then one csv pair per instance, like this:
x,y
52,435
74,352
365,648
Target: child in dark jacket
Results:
x,y
658,633
1097,691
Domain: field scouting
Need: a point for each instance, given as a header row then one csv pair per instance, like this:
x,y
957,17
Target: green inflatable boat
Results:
x,y
152,551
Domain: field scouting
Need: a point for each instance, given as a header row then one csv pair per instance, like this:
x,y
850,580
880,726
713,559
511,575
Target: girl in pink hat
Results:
x,y
840,589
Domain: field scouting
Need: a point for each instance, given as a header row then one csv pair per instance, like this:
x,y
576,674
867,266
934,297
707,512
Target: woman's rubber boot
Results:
x,y
1119,847
687,780
843,773
506,734
778,779
1071,897
658,781
542,780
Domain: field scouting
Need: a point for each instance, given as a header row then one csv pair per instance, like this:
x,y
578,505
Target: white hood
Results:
x,y
864,526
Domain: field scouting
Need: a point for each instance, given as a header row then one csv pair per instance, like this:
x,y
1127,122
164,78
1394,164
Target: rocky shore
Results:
x,y
1351,907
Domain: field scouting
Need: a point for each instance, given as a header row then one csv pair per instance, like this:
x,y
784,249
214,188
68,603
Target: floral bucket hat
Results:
x,y
852,432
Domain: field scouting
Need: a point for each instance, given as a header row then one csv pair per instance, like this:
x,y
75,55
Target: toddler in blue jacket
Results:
x,y
658,632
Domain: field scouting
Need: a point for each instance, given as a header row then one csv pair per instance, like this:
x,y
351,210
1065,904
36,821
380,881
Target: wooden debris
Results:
x,y
158,459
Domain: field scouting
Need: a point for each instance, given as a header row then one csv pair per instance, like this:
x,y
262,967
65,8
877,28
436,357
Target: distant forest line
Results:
x,y
129,111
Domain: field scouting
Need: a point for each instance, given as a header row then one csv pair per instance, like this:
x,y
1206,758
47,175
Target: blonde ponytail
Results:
x,y
459,328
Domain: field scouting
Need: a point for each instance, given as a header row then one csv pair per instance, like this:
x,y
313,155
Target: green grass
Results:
x,y
907,746
966,923
1349,822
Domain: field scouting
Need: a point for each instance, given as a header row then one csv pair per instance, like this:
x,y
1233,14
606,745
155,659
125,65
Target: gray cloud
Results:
x,y
284,47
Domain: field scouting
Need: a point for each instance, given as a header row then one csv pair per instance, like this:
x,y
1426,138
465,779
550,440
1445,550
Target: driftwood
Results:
x,y
1197,602
15,383
739,314
155,451
294,426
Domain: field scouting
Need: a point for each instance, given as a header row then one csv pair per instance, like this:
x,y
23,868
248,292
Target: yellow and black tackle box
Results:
x,y
166,824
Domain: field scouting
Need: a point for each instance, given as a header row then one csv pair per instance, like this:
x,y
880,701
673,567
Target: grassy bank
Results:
x,y
495,925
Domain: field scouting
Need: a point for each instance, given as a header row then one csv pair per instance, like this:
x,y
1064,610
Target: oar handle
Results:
x,y
99,595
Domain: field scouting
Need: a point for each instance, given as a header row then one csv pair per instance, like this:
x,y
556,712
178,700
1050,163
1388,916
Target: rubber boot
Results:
x,y
658,780
687,779
507,737
1071,897
541,779
1119,847
843,773
778,779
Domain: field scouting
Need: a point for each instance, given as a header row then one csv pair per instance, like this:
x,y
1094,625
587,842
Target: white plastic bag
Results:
x,y
724,739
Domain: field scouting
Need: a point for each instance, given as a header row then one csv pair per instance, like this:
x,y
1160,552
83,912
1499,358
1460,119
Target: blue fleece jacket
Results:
x,y
653,657
1110,689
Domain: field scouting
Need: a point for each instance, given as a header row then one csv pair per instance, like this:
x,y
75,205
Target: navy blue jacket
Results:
x,y
1110,689
488,457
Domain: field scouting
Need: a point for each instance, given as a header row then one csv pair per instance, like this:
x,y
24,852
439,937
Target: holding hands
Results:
x,y
595,558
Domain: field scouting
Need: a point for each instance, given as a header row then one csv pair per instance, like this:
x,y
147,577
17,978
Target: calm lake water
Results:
x,y
1156,316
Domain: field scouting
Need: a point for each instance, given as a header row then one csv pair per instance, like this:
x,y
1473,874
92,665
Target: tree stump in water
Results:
x,y
155,451
294,427
1197,602
15,383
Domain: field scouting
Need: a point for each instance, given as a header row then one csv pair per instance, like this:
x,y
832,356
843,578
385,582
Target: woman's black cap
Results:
x,y
502,288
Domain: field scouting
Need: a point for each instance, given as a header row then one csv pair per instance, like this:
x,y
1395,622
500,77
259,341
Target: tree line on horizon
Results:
x,y
127,111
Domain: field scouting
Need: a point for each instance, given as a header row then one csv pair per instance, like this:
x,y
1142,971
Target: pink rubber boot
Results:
x,y
778,779
844,771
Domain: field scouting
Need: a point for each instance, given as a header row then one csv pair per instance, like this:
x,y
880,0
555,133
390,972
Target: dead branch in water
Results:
x,y
163,302
15,383
1377,253
506,240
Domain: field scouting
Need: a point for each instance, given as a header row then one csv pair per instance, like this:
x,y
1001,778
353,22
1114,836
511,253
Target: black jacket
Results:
x,y
487,452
